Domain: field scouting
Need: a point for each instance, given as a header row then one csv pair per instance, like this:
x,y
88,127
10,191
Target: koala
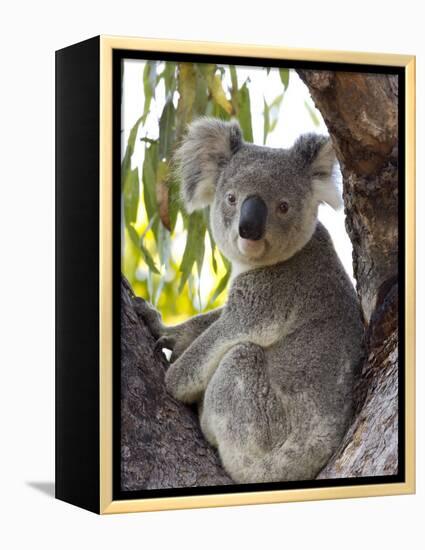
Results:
x,y
273,371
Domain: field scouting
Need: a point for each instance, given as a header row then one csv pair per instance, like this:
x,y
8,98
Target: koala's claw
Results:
x,y
165,342
149,315
144,309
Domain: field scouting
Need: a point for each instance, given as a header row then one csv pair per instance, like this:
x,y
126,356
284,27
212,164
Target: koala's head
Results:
x,y
263,201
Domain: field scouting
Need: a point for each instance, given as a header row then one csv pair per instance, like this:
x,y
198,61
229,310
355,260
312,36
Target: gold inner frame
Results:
x,y
107,504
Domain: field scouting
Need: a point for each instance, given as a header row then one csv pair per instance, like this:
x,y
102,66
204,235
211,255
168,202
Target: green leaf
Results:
x,y
233,77
312,113
186,87
164,245
131,196
195,246
148,259
284,77
149,185
271,115
201,92
213,249
219,112
274,111
168,74
134,236
215,87
149,84
244,116
207,69
126,162
135,239
173,201
234,90
167,130
221,286
200,253
162,191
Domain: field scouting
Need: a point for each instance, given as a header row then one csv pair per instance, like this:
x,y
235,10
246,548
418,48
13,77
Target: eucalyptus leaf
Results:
x,y
213,250
135,239
126,162
201,93
173,201
134,236
221,286
164,245
245,113
284,77
169,76
131,196
195,247
234,91
150,79
149,185
148,259
216,89
186,87
271,115
233,77
167,130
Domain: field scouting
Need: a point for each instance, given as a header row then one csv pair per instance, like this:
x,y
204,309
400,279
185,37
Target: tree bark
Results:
x,y
361,113
161,443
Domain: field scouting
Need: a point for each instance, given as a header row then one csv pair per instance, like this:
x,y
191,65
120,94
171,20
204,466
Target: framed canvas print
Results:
x,y
234,274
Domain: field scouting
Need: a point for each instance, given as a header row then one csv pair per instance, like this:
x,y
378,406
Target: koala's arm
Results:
x,y
178,337
250,315
188,376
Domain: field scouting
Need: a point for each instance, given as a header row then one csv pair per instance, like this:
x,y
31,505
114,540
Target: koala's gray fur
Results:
x,y
273,370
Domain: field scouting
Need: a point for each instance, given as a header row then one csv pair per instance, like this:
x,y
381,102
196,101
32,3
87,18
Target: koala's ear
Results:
x,y
207,147
319,158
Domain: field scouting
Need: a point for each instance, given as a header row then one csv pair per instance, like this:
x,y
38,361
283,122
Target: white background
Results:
x,y
29,34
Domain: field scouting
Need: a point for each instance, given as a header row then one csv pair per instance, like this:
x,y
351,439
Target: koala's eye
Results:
x,y
283,207
230,198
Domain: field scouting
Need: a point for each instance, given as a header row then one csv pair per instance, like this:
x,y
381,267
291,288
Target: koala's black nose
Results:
x,y
252,221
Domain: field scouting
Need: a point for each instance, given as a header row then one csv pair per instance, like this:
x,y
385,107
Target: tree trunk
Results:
x,y
361,113
162,445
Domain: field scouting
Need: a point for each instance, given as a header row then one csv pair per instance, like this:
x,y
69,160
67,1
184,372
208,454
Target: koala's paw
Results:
x,y
177,350
179,382
172,382
167,342
149,315
173,341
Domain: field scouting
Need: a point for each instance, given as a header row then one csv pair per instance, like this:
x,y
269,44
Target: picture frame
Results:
x,y
88,295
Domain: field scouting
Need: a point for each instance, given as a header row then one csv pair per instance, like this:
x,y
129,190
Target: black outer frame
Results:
x,y
77,273
77,456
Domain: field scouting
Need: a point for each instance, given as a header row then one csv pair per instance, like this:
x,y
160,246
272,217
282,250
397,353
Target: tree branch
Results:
x,y
361,113
161,442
